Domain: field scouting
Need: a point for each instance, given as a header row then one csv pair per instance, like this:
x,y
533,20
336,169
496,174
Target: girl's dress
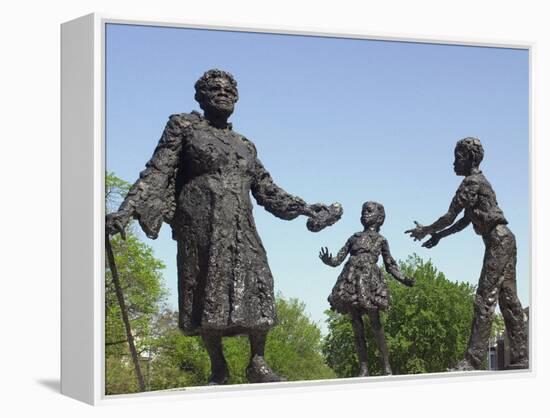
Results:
x,y
361,285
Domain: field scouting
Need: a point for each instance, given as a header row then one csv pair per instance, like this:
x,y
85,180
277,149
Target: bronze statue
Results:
x,y
361,288
199,181
497,282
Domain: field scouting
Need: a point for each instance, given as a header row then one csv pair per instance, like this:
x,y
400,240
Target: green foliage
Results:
x,y
293,347
177,360
140,275
115,190
339,347
144,291
497,327
237,354
119,375
427,326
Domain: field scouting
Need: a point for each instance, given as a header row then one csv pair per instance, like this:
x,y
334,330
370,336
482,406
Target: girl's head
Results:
x,y
373,215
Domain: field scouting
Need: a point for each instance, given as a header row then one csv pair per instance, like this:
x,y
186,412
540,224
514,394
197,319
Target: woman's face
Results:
x,y
219,97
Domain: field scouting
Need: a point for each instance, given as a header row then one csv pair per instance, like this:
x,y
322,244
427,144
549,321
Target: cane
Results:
x,y
120,297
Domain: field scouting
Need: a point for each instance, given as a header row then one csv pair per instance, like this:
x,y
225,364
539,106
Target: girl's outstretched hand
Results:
x,y
325,256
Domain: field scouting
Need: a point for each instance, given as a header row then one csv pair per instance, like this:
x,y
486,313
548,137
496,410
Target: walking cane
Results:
x,y
120,297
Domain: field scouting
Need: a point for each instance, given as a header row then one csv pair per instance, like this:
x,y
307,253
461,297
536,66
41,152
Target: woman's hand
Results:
x,y
321,216
115,223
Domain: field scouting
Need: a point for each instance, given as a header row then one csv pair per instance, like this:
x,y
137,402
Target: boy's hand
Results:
x,y
432,242
417,233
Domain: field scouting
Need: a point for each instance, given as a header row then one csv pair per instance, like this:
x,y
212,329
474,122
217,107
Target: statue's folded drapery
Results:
x,y
199,181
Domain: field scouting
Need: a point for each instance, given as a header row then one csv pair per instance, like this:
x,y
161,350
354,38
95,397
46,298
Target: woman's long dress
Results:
x,y
199,181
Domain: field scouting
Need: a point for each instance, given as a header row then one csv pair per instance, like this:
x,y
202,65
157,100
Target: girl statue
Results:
x,y
361,288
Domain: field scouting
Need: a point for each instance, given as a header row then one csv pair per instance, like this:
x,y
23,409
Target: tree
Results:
x,y
293,348
115,190
124,312
497,327
143,291
177,360
427,326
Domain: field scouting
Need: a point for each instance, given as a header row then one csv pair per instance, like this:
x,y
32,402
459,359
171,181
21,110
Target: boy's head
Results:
x,y
468,156
373,215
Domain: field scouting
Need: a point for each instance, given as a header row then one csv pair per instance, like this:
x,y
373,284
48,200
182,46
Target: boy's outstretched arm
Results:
x,y
444,221
392,267
453,229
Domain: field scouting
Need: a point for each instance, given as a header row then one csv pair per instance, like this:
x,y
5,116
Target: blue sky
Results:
x,y
336,119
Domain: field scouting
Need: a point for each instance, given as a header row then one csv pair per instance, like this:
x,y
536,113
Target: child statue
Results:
x,y
477,200
361,288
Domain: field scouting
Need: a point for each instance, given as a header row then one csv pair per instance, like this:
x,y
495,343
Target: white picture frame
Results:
x,y
82,205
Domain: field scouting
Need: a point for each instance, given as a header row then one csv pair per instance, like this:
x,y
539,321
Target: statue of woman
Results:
x,y
361,288
199,181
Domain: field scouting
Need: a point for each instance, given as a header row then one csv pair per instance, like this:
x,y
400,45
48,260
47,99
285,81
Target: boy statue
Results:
x,y
497,282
